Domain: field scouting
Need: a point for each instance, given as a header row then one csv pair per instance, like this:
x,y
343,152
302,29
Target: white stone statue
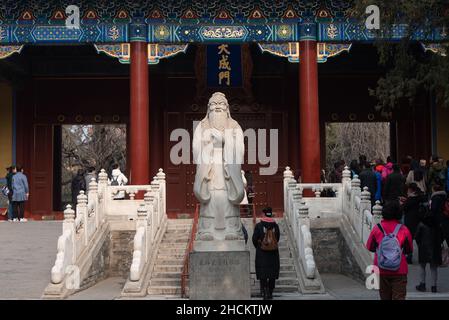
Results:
x,y
218,150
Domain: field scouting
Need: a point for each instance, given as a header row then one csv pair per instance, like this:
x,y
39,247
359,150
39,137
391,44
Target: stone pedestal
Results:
x,y
219,270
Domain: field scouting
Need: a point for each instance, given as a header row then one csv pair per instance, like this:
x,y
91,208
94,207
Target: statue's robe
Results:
x,y
218,182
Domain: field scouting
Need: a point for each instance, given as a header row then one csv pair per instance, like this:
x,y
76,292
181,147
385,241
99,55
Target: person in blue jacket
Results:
x,y
20,193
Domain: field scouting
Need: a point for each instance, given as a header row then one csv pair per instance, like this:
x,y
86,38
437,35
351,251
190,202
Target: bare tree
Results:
x,y
84,146
347,140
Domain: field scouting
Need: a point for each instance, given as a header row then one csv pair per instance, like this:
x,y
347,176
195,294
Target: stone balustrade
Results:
x,y
297,214
350,201
97,208
150,217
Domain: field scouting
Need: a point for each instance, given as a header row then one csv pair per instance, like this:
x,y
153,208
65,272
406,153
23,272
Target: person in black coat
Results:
x,y
429,238
78,184
395,184
438,199
414,209
267,262
368,179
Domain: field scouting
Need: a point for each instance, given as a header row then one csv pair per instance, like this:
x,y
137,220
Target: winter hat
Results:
x,y
268,212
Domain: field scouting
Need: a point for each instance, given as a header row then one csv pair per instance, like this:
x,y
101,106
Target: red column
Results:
x,y
139,148
309,124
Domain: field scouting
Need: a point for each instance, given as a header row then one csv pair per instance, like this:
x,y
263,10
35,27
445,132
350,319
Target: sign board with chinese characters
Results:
x,y
224,66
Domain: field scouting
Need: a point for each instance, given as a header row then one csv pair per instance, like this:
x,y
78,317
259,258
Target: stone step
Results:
x,y
287,281
164,290
287,274
168,268
177,234
175,240
169,262
169,251
175,245
287,267
167,275
255,291
286,288
178,229
179,221
167,255
165,282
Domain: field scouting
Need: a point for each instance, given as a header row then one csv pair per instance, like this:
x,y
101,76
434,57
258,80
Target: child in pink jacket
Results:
x,y
392,284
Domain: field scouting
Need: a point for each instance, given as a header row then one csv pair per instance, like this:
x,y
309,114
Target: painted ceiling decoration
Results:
x,y
156,52
208,21
291,50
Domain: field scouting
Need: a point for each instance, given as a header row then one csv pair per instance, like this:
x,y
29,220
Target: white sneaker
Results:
x,y
15,220
23,220
10,220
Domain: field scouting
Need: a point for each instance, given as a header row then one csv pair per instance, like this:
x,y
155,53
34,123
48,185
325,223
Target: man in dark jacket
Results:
x,y
78,184
8,177
267,262
429,237
414,209
395,184
368,179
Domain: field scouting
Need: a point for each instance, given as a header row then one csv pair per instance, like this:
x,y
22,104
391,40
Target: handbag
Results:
x,y
444,257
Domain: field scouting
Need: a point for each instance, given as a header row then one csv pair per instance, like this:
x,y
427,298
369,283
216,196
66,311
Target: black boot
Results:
x,y
434,289
421,287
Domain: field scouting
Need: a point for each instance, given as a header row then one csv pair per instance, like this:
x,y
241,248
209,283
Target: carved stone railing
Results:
x,y
79,228
150,217
350,203
297,214
356,205
94,212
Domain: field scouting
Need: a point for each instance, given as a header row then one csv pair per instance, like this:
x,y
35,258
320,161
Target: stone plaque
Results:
x,y
219,275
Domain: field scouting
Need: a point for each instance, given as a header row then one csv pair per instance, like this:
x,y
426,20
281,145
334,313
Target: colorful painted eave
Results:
x,y
163,33
161,21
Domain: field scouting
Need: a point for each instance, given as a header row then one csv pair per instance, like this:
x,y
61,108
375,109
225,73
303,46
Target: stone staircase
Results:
x,y
166,275
288,276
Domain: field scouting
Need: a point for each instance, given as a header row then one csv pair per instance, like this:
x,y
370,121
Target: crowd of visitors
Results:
x,y
415,208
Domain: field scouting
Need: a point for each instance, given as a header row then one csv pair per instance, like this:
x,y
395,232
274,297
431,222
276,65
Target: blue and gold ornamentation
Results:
x,y
161,33
332,21
57,33
284,32
156,52
435,48
223,33
291,50
6,51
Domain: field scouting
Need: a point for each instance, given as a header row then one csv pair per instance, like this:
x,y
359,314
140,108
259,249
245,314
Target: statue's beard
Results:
x,y
218,119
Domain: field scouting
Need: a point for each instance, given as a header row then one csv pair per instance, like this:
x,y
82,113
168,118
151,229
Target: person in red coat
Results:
x,y
392,284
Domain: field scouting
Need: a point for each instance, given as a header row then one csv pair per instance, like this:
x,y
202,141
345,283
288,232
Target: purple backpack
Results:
x,y
389,253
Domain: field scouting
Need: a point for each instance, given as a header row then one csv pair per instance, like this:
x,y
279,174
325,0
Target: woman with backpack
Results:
x,y
118,179
391,241
265,239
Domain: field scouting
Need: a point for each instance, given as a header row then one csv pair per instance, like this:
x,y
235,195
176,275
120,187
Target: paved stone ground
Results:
x,y
108,289
27,253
